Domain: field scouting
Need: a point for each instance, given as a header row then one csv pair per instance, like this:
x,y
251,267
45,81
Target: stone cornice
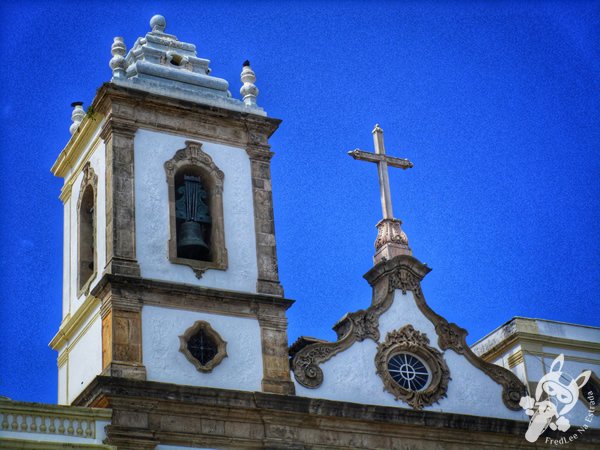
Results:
x,y
181,116
74,148
185,296
399,262
274,414
69,327
139,109
523,338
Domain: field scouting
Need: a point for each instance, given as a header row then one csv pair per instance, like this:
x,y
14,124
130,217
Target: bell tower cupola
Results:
x,y
170,263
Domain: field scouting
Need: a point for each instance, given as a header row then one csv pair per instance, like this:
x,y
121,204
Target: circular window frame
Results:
x,y
410,341
221,345
423,363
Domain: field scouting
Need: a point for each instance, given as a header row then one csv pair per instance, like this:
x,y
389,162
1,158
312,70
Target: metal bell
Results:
x,y
191,245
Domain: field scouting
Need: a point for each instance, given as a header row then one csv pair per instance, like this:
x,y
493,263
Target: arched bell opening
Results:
x,y
193,214
197,230
86,250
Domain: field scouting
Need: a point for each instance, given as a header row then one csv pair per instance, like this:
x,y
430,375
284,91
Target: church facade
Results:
x,y
174,329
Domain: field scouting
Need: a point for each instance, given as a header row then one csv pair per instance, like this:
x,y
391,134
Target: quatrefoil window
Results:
x,y
203,346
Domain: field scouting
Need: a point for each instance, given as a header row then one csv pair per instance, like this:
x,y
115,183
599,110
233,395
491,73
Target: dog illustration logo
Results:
x,y
561,394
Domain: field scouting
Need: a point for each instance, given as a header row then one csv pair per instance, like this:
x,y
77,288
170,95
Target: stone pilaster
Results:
x,y
273,334
118,137
121,332
266,251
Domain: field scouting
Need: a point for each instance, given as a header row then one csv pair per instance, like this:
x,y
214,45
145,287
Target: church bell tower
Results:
x,y
170,265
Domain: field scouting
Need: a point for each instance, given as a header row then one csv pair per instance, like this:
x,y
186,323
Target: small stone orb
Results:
x,y
158,23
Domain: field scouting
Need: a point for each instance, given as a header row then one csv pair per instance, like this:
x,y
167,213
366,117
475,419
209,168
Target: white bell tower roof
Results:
x,y
161,64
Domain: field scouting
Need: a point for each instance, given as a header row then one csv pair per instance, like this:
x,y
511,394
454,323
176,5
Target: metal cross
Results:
x,y
383,161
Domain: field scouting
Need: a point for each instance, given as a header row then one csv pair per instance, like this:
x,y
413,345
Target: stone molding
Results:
x,y
193,156
76,145
89,180
182,117
409,340
171,414
69,180
405,273
221,346
136,292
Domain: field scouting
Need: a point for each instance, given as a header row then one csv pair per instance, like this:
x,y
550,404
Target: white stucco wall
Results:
x,y
152,149
66,278
241,369
351,375
85,357
97,162
62,384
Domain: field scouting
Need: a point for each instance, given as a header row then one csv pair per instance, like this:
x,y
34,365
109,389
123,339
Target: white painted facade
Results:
x,y
351,375
241,370
96,152
83,361
80,355
152,149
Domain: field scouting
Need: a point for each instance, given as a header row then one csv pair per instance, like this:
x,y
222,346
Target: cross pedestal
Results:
x,y
391,240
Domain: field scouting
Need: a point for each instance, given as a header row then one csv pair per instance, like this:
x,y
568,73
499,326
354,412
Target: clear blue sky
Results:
x,y
497,104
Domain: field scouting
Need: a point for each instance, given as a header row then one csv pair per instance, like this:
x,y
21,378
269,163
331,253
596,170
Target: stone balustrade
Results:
x,y
51,419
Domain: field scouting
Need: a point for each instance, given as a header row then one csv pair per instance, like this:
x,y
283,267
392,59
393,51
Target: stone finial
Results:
x,y
117,62
76,116
158,23
249,91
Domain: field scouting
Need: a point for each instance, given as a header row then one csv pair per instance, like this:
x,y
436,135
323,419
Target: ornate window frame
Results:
x,y
409,340
221,346
89,181
212,178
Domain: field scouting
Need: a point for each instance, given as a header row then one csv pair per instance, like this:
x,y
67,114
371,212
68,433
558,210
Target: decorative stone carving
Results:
x,y
405,273
450,335
76,116
193,156
160,63
409,340
158,23
118,63
221,346
353,327
248,90
391,240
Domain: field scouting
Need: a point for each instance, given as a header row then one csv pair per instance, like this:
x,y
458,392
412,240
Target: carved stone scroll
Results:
x,y
451,336
404,273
